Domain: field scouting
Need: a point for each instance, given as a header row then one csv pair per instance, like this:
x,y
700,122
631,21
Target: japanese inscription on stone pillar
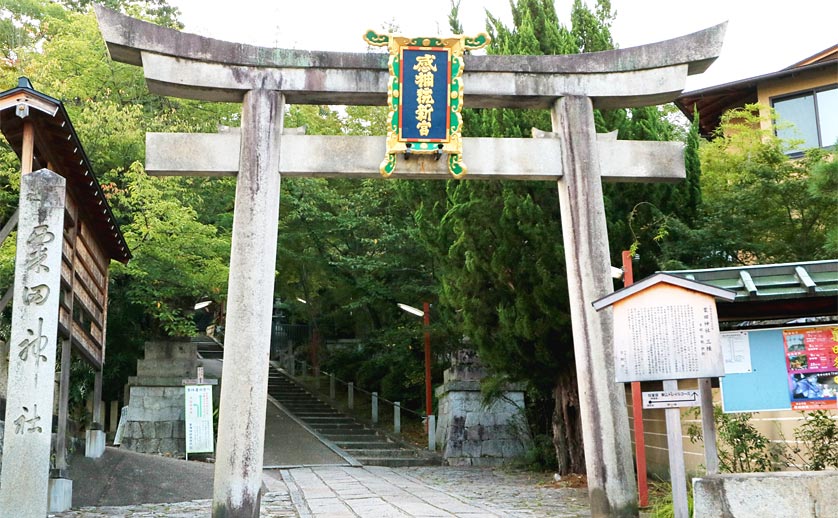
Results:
x,y
26,446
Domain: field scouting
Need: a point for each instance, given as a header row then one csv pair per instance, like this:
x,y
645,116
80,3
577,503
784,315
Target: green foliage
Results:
x,y
541,455
178,228
759,205
741,447
817,442
177,259
660,500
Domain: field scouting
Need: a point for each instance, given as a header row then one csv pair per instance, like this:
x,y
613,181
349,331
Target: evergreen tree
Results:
x,y
505,276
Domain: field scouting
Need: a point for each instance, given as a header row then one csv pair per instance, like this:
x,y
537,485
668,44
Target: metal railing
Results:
x,y
377,408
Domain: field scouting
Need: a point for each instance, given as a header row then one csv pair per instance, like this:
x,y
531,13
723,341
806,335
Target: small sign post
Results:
x,y
666,328
198,414
675,399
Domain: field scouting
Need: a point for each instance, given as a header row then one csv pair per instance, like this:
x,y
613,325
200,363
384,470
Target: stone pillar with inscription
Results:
x,y
26,456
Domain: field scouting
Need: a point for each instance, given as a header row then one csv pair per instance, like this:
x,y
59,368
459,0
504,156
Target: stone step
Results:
x,y
330,422
364,444
381,452
358,444
346,430
397,462
344,436
299,409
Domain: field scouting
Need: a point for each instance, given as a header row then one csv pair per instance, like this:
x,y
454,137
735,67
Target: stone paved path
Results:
x,y
378,492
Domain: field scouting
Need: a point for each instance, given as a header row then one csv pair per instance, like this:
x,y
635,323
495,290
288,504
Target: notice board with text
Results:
x,y
790,368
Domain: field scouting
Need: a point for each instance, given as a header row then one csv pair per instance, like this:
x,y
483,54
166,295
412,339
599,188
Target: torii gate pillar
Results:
x,y
241,423
602,403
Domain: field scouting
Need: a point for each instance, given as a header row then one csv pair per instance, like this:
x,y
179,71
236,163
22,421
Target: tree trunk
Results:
x,y
567,427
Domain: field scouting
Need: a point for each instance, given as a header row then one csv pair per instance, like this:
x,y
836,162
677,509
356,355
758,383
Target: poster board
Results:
x,y
771,383
198,417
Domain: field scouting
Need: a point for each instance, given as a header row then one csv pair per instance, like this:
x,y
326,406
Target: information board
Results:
x,y
778,379
198,416
656,339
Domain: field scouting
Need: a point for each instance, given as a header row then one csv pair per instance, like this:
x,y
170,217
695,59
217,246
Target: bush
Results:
x,y
742,448
541,456
817,438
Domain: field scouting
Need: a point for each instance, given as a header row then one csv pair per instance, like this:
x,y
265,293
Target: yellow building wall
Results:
x,y
806,80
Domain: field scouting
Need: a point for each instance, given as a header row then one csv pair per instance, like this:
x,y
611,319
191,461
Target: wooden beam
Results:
x,y
9,226
799,272
7,297
27,153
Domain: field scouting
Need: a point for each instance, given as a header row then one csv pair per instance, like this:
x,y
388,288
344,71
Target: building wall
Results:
x,y
789,85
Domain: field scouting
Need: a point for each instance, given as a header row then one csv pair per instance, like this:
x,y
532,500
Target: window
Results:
x,y
811,116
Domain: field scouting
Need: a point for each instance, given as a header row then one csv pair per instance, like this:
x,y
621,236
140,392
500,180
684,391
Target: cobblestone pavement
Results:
x,y
378,492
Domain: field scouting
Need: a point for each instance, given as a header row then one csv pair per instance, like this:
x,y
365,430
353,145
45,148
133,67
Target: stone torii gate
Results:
x,y
263,80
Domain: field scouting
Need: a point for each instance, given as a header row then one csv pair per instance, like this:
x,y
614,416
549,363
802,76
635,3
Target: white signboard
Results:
x,y
667,333
199,433
737,352
673,399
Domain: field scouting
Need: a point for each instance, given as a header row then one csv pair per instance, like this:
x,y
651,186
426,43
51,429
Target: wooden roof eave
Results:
x,y
53,126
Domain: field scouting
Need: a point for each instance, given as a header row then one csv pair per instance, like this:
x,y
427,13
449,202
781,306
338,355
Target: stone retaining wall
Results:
x,y
472,434
798,494
155,421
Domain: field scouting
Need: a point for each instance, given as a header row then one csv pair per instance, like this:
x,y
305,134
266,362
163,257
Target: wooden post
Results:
x,y
95,435
397,417
27,153
675,444
61,466
350,395
637,406
708,426
331,385
97,399
63,409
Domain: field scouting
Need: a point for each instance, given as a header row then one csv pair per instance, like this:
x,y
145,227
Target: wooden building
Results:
x,y
39,130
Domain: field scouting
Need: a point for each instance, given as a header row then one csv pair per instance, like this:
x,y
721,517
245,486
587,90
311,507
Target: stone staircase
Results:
x,y
368,446
208,347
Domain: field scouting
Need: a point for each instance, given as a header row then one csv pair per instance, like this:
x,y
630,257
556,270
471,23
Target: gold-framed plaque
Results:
x,y
425,97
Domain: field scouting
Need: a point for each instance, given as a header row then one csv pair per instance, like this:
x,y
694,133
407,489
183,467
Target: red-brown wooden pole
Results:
x,y
637,408
426,307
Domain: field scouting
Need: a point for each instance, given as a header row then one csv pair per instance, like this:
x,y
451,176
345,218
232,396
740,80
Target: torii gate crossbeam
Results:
x,y
191,66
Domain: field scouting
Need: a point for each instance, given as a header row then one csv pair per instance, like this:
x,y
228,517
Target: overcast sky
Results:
x,y
763,36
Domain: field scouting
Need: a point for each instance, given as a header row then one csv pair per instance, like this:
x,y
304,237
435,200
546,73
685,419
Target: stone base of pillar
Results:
x,y
94,446
60,494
